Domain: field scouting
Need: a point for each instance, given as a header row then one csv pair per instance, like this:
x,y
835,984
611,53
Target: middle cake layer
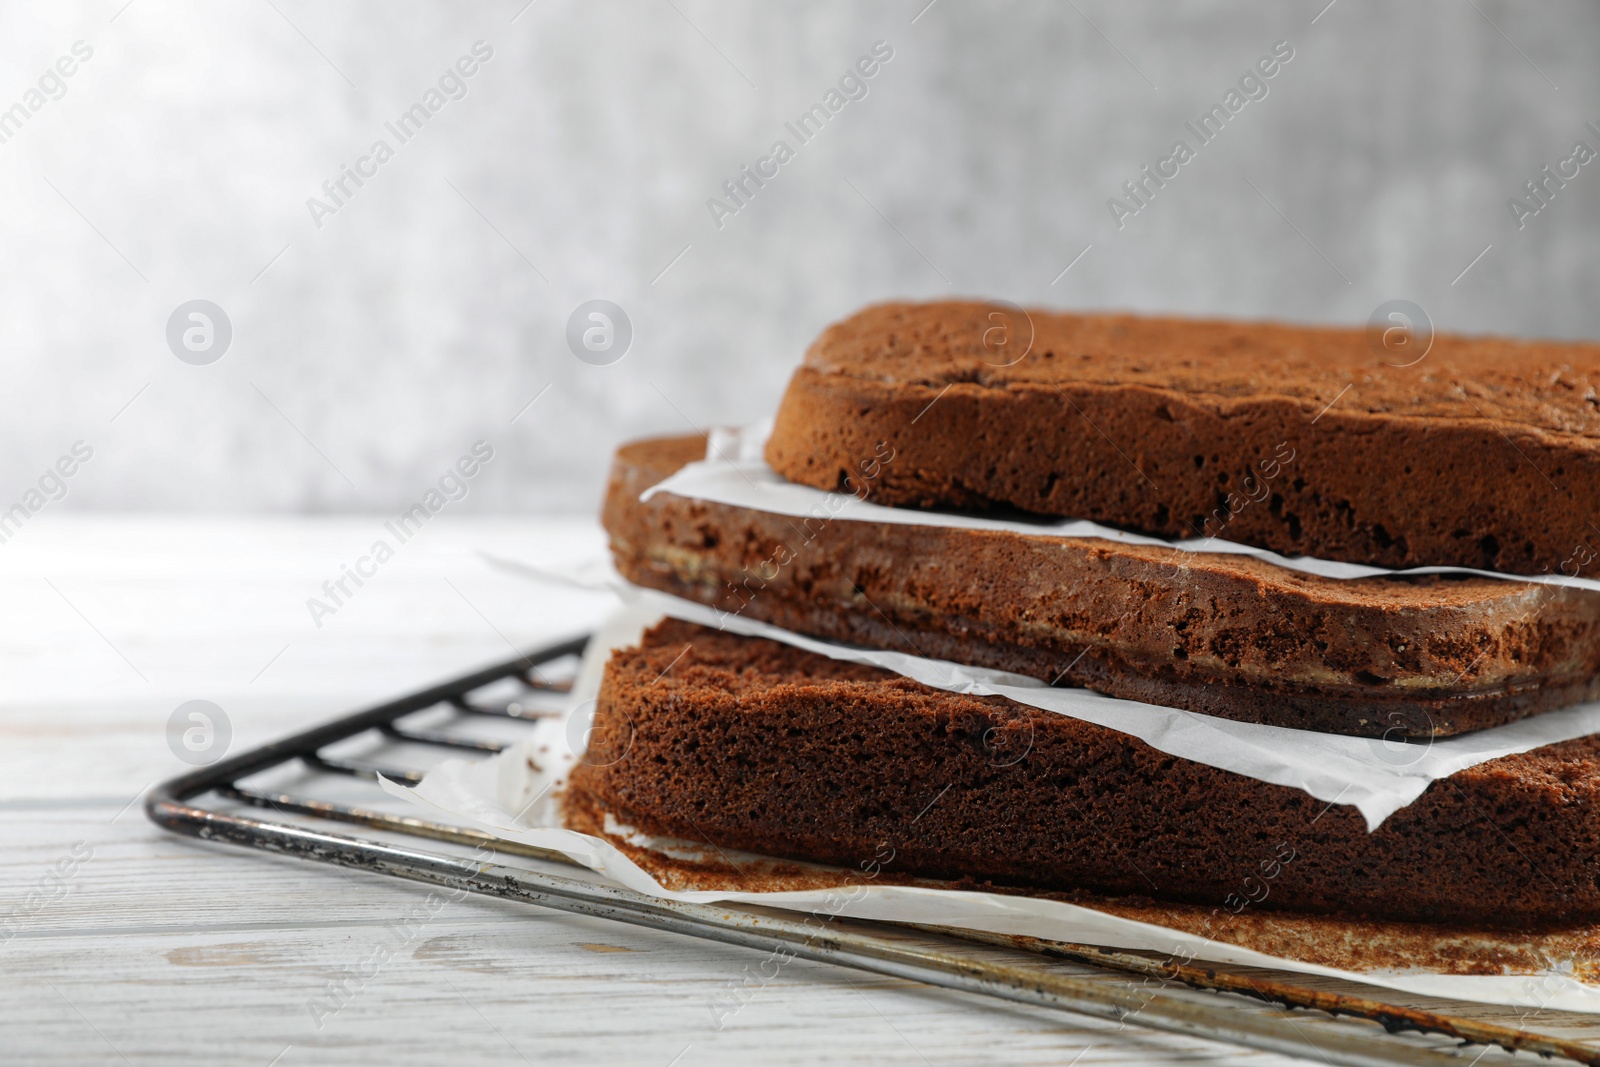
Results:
x,y
1225,635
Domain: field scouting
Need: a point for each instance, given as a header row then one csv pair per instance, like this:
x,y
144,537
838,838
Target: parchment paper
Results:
x,y
507,797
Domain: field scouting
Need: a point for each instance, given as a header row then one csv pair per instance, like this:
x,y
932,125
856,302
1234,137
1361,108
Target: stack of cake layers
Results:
x,y
1478,462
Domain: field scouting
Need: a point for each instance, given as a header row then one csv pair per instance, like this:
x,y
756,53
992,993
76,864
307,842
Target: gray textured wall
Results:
x,y
428,310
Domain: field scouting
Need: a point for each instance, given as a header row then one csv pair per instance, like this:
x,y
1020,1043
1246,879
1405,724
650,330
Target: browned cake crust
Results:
x,y
1225,635
753,745
1486,453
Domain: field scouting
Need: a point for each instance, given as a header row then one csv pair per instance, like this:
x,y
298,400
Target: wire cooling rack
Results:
x,y
480,714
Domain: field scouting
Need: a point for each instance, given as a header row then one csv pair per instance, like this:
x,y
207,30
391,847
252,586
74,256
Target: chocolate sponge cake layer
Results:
x,y
1308,441
1225,635
749,744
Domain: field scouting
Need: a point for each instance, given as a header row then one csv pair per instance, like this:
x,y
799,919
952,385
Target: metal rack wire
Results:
x,y
1024,976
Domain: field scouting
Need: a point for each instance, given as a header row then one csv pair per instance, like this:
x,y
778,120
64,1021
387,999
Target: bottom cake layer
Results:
x,y
750,744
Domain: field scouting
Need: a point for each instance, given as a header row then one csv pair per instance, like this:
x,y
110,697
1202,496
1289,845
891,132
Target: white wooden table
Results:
x,y
166,950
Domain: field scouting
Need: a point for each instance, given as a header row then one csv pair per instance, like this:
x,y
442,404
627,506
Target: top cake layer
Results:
x,y
1553,387
1305,440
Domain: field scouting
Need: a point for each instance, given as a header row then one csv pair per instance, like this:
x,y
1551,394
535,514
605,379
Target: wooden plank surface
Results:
x,y
155,949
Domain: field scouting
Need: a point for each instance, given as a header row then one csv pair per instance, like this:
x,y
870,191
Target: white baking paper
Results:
x,y
1376,776
734,473
505,797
